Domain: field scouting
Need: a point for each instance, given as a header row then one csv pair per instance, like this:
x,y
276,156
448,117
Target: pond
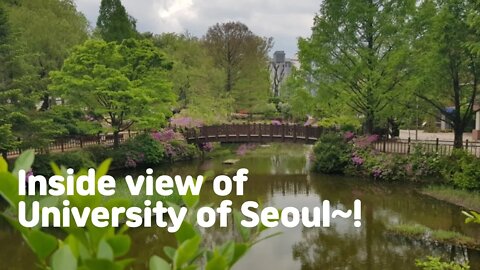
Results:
x,y
280,176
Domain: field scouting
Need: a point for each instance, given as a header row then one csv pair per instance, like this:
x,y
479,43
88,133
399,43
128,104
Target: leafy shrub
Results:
x,y
434,263
74,159
331,154
180,150
425,163
462,170
142,149
367,161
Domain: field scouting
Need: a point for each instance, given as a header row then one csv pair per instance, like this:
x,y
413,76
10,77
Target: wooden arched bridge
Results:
x,y
254,133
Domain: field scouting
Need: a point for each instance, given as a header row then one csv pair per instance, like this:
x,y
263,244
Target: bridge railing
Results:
x,y
254,132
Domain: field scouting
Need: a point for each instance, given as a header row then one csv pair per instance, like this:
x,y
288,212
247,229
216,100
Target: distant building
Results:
x,y
280,69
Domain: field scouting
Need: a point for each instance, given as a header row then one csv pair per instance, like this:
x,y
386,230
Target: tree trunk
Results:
x,y
369,124
4,155
45,102
458,139
116,139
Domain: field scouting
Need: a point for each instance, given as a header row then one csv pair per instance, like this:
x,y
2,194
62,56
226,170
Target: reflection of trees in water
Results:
x,y
368,248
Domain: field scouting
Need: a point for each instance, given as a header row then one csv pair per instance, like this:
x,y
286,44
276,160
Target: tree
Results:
x,y
197,82
357,55
125,84
447,71
278,74
18,100
243,58
114,23
58,27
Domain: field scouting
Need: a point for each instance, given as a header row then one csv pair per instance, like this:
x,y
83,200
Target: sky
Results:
x,y
284,20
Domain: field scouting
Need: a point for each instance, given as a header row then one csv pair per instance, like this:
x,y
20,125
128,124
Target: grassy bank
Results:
x,y
438,236
467,199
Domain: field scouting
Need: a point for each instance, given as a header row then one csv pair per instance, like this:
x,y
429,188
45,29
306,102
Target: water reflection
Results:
x,y
279,176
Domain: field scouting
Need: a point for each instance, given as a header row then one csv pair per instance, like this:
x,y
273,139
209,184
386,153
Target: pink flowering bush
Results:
x,y
276,123
185,122
357,156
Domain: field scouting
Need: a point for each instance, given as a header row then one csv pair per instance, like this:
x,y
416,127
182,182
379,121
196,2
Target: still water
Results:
x,y
280,176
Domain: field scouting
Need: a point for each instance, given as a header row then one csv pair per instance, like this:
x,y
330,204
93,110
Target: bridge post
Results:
x,y
295,132
227,131
260,132
216,133
283,132
195,135
248,131
237,129
306,134
271,132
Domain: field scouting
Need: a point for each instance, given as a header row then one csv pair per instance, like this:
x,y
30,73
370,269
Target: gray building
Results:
x,y
280,68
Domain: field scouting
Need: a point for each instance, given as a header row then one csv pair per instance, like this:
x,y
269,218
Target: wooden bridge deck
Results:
x,y
255,133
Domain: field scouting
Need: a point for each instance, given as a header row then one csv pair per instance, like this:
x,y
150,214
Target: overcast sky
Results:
x,y
284,20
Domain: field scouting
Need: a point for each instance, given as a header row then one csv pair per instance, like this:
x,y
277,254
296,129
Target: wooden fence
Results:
x,y
426,146
76,142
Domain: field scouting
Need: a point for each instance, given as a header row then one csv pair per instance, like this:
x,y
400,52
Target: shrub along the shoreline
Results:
x,y
352,155
148,149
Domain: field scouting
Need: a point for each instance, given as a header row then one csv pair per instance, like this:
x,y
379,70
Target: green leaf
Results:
x,y
63,259
3,165
244,232
42,244
103,168
120,244
122,264
228,251
266,237
240,250
24,161
105,251
100,264
187,251
9,189
56,170
218,262
185,232
157,263
170,252
190,200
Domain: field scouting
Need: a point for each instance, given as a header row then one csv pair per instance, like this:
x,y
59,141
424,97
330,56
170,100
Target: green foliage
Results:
x,y
356,56
58,27
461,169
200,93
472,217
443,64
114,23
435,263
144,149
125,84
332,154
242,57
74,159
92,248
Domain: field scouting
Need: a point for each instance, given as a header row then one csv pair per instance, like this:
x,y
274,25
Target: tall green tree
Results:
x,y
48,30
447,71
243,57
197,82
125,84
114,23
18,98
357,55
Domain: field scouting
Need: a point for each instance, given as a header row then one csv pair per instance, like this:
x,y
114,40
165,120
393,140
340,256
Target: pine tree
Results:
x,y
114,23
